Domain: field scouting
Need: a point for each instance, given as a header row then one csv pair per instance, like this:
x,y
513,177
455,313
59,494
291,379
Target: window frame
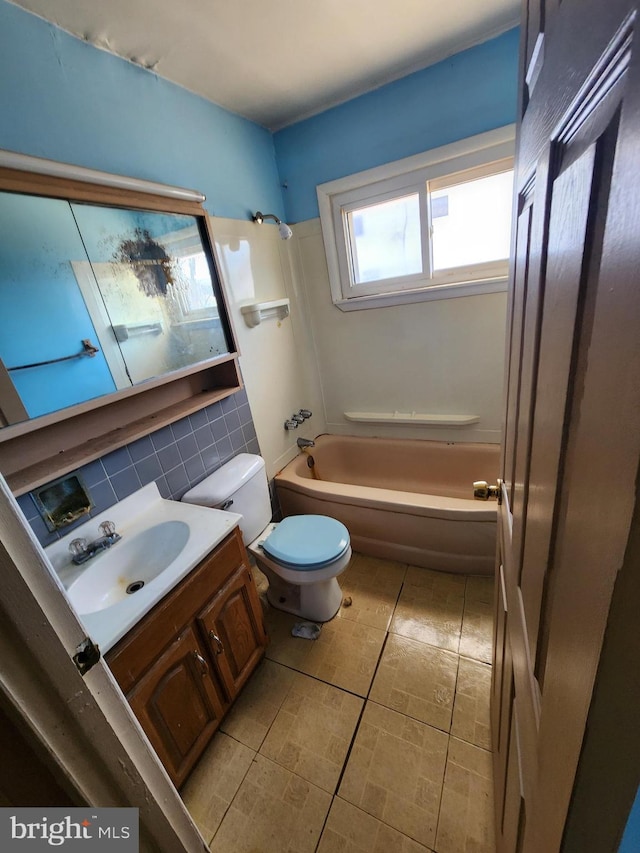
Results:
x,y
336,199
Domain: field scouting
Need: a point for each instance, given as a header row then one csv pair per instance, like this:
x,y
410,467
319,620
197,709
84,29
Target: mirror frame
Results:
x,y
33,452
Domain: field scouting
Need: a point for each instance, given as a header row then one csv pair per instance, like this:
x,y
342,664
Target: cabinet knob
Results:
x,y
204,666
218,642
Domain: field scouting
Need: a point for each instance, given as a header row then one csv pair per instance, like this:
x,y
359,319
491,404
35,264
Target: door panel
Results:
x,y
232,624
518,295
567,234
514,815
178,704
572,423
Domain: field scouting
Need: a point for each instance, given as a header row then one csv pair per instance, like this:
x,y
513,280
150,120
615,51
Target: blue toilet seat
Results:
x,y
307,542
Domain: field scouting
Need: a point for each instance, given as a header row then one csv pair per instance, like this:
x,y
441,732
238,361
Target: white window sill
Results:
x,y
424,294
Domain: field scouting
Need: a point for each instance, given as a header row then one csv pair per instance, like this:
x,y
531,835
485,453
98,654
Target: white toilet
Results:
x,y
301,555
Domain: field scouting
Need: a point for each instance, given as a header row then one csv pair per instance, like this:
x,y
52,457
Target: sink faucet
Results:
x,y
305,442
82,551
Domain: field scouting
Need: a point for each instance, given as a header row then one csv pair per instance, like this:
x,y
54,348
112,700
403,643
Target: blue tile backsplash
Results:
x,y
176,457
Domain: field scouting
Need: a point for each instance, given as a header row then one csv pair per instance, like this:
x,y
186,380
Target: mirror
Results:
x,y
94,299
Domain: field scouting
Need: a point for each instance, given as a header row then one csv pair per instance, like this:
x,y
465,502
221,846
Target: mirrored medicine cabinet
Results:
x,y
112,321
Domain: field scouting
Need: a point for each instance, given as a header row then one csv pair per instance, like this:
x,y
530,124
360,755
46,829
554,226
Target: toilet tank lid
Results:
x,y
219,486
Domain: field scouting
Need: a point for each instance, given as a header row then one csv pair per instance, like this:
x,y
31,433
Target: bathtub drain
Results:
x,y
136,586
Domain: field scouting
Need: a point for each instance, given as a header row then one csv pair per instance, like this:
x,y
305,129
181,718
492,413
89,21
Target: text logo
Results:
x,y
36,829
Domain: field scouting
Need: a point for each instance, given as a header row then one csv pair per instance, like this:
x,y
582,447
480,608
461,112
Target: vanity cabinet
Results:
x,y
184,663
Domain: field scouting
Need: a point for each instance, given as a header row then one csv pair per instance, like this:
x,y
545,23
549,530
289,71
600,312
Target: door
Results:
x,y
178,705
572,432
232,623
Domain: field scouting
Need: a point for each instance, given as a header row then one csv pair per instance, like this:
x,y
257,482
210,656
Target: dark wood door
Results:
x,y
233,627
178,704
572,434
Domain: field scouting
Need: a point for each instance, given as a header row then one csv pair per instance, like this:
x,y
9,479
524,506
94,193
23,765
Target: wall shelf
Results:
x,y
412,419
255,312
37,451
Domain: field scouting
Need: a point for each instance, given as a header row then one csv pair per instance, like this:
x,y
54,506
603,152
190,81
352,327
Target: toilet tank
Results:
x,y
240,486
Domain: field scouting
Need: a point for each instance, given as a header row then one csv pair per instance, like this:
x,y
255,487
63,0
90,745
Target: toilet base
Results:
x,y
317,602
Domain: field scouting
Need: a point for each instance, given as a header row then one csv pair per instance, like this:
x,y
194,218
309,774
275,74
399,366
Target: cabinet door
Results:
x,y
232,624
178,704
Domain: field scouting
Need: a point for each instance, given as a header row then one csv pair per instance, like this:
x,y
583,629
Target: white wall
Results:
x,y
437,357
277,359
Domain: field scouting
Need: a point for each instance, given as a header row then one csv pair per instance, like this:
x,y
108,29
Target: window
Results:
x,y
432,226
193,297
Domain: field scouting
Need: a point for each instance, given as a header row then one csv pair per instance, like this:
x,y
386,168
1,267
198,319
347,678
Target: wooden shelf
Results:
x,y
34,457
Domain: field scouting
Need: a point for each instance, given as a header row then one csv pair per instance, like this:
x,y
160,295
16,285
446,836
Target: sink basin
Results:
x,y
127,567
162,541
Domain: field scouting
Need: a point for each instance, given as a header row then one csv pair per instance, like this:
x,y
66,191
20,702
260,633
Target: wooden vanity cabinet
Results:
x,y
184,663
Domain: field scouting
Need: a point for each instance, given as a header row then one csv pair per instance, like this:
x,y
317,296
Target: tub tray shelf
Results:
x,y
412,418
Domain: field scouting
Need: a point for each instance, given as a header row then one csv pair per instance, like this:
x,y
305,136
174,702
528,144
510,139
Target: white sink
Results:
x,y
162,541
128,566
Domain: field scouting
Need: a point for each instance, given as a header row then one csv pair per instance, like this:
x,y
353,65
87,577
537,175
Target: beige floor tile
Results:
x,y
479,588
283,648
466,813
255,709
345,654
373,586
377,573
418,680
350,830
430,608
471,721
274,811
215,781
441,582
395,772
312,732
476,637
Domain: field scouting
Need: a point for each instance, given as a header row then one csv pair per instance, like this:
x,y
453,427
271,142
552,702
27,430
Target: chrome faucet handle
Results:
x,y
107,528
305,413
78,547
297,418
291,424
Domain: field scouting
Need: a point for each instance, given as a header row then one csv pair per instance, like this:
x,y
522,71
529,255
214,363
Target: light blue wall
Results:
x,y
471,92
63,99
631,838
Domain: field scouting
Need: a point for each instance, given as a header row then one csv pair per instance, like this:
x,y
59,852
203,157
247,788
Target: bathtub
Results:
x,y
403,500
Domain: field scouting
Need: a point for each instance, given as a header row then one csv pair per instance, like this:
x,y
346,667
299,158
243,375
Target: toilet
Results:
x,y
301,556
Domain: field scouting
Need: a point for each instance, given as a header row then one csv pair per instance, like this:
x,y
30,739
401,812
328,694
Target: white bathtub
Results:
x,y
403,500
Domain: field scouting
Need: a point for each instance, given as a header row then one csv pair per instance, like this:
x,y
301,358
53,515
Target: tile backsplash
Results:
x,y
177,457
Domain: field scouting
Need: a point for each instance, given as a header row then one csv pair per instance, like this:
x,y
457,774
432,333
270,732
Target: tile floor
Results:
x,y
372,738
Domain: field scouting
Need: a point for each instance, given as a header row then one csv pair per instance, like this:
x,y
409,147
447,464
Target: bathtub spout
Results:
x,y
305,442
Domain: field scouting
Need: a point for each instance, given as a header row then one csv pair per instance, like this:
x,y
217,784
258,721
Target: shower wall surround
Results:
x,y
176,457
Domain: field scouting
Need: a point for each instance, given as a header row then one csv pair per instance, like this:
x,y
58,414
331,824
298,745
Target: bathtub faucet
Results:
x,y
305,442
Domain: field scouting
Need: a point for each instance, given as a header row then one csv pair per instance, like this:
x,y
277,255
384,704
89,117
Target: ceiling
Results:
x,y
280,61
